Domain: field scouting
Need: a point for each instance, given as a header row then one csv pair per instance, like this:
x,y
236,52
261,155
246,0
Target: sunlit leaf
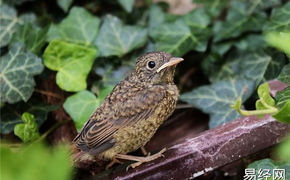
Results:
x,y
279,40
117,39
17,69
73,63
216,99
28,130
80,106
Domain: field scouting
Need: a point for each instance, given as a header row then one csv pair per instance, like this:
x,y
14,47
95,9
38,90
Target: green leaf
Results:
x,y
116,39
127,5
264,95
64,4
238,21
285,74
213,7
73,63
11,114
80,106
283,114
33,38
255,66
269,164
261,4
282,151
216,99
251,42
35,161
175,38
79,27
282,97
27,131
17,69
279,40
9,23
156,16
279,21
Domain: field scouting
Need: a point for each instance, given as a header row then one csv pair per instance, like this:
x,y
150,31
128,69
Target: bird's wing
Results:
x,y
97,135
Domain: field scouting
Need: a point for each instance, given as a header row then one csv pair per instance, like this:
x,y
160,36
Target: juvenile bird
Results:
x,y
130,115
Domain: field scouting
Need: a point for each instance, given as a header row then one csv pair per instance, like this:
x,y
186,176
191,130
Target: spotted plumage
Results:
x,y
133,111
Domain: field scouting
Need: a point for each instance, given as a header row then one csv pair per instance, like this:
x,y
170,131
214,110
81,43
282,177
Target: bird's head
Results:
x,y
156,67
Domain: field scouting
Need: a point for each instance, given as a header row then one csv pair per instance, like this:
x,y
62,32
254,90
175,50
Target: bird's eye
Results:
x,y
151,64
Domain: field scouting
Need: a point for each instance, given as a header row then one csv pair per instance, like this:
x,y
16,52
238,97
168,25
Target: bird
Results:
x,y
131,114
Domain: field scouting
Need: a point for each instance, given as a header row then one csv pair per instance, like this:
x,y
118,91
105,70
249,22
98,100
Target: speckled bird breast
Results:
x,y
137,135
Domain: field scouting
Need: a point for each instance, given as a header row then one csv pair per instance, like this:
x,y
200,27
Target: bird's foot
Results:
x,y
114,160
140,160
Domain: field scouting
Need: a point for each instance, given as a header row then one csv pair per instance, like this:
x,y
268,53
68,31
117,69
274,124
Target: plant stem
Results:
x,y
258,112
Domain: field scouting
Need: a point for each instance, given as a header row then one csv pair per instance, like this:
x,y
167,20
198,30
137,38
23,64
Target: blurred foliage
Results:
x,y
35,161
270,165
231,46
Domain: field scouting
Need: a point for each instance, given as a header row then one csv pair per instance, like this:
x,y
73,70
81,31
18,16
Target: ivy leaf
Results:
x,y
282,97
17,69
27,131
238,21
80,106
156,16
116,39
33,38
213,7
174,38
21,164
73,63
11,114
9,23
283,114
251,42
64,4
264,98
127,5
279,21
79,27
255,66
216,99
261,4
285,74
279,40
270,165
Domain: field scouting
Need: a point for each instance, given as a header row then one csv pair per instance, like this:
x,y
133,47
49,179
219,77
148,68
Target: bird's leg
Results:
x,y
145,153
114,160
140,160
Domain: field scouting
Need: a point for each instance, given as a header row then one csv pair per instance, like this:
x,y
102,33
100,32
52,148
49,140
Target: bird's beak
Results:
x,y
172,61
